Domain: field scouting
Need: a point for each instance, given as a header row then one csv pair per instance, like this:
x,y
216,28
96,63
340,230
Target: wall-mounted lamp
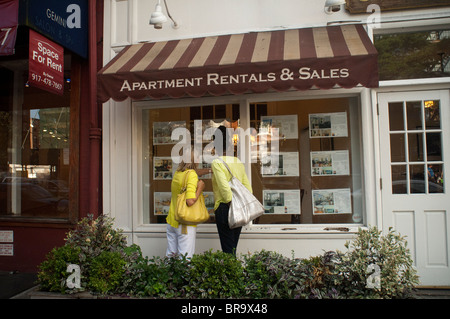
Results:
x,y
158,18
333,6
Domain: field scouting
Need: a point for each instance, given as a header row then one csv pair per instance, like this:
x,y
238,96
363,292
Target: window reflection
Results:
x,y
434,152
34,142
397,147
435,178
417,179
399,179
396,122
413,55
432,115
314,176
415,141
421,171
414,115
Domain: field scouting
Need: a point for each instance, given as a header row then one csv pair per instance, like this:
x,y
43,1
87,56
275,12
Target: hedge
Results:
x,y
374,266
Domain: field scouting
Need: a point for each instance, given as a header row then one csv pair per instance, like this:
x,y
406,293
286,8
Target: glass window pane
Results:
x,y
221,111
398,148
235,112
196,112
434,151
295,191
208,112
34,149
396,120
415,147
261,110
435,178
316,186
432,114
417,178
413,55
414,115
398,179
157,165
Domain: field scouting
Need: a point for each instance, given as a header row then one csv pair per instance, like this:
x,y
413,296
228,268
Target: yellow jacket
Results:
x,y
221,176
177,185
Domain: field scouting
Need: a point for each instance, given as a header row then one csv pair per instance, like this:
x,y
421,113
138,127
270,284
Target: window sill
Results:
x,y
280,229
304,229
35,222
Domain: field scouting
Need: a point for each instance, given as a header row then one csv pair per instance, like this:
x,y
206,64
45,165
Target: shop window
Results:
x,y
34,143
313,178
413,55
317,177
158,166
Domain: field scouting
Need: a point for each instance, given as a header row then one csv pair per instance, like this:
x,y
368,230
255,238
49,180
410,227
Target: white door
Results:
x,y
415,169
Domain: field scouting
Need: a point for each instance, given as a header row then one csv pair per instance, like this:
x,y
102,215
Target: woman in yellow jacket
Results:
x,y
181,238
229,238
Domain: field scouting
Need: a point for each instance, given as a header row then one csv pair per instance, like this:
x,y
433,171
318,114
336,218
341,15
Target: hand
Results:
x,y
204,171
201,185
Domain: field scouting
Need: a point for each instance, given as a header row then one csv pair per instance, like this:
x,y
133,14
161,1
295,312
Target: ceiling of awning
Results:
x,y
253,62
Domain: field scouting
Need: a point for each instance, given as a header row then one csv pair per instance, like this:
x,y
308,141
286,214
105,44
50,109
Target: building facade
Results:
x,y
49,123
358,94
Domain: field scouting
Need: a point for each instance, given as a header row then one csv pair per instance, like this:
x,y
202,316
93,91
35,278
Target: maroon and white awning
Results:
x,y
242,63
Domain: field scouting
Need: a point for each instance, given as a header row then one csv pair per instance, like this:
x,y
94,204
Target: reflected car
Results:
x,y
417,186
36,201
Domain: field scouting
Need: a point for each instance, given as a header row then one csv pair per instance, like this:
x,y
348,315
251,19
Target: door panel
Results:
x,y
415,156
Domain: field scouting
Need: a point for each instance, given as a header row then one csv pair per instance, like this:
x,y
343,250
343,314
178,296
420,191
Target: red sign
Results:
x,y
46,64
9,11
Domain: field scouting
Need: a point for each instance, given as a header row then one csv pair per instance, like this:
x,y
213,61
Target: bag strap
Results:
x,y
183,189
226,165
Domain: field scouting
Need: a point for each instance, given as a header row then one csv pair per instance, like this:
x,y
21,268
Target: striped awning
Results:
x,y
254,62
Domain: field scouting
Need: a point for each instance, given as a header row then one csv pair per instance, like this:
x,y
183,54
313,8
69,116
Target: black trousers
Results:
x,y
228,237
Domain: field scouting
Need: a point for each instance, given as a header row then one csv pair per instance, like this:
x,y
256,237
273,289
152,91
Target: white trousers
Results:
x,y
178,243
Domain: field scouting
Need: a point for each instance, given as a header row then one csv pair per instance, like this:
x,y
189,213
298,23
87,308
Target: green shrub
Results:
x,y
99,250
106,272
52,272
134,271
108,266
215,275
374,256
164,277
271,275
95,236
319,277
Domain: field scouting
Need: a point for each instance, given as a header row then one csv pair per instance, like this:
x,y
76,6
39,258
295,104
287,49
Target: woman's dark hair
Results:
x,y
222,139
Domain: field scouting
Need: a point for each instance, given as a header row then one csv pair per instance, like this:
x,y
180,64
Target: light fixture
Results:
x,y
158,18
333,6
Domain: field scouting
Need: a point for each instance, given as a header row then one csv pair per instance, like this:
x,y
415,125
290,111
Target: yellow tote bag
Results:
x,y
190,215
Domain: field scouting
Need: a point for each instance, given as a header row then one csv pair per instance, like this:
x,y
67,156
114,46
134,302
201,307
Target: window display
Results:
x,y
312,176
318,170
158,145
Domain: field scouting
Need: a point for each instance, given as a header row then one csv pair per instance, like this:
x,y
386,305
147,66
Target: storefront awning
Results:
x,y
242,63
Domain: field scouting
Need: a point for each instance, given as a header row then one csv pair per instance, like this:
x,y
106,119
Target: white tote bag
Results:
x,y
244,206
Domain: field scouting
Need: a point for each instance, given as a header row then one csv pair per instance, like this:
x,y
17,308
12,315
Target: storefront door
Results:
x,y
415,165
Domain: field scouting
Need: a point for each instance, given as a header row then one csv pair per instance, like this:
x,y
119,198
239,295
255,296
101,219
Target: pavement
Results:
x,y
13,283
17,285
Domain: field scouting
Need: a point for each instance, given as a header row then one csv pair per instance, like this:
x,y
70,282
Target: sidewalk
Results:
x,y
14,283
433,293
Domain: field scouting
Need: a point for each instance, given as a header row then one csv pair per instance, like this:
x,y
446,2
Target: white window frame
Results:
x,y
367,157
